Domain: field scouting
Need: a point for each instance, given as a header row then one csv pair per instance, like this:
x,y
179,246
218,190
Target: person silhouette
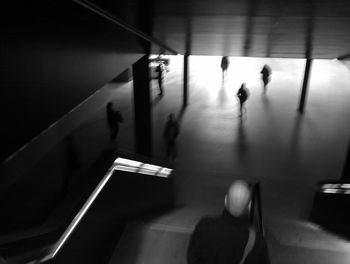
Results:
x,y
229,237
170,134
265,75
242,95
113,120
160,76
224,66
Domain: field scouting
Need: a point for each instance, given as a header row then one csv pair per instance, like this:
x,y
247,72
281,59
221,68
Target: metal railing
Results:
x,y
256,215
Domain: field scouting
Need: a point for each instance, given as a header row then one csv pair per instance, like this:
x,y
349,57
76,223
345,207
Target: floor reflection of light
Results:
x,y
208,73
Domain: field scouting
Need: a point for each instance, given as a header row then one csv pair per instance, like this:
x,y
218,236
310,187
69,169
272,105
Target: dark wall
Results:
x,y
54,54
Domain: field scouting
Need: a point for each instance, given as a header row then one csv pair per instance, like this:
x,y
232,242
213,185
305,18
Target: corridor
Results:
x,y
286,152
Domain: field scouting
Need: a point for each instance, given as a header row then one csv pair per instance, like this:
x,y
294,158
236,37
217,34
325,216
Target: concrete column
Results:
x,y
305,85
346,170
142,107
185,90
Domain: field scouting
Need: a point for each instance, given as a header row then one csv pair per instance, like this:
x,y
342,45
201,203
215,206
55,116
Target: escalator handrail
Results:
x,y
256,203
133,30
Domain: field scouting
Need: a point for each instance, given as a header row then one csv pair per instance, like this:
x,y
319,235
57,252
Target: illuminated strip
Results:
x,y
127,162
127,165
79,216
125,168
151,167
345,186
164,172
330,190
330,186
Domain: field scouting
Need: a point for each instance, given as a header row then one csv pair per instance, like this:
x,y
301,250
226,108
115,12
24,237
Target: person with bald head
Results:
x,y
229,238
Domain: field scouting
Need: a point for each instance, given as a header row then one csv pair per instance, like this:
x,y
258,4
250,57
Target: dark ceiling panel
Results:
x,y
272,28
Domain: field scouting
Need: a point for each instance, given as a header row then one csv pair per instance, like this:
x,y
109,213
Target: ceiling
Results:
x,y
256,28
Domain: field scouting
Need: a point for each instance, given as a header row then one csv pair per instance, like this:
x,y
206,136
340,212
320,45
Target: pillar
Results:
x,y
346,170
305,85
185,90
142,107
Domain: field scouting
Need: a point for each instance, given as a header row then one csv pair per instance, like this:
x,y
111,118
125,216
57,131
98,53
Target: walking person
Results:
x,y
242,95
160,77
224,66
170,134
229,238
113,119
265,75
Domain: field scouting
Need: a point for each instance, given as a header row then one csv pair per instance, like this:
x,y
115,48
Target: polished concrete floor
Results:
x,y
273,144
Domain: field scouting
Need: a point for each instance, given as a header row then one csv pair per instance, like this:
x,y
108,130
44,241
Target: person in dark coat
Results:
x,y
224,66
170,134
223,239
160,76
265,75
113,120
242,95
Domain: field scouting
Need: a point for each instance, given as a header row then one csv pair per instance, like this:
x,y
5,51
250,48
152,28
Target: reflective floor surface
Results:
x,y
271,143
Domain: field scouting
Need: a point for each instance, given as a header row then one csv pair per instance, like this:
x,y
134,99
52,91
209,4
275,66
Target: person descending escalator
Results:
x,y
229,238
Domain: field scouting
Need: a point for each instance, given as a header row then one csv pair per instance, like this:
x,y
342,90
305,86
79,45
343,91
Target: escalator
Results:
x,y
164,238
113,218
23,242
88,231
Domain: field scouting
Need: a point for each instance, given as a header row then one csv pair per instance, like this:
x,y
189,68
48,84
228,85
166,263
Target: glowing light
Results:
x,y
164,172
330,186
128,165
331,191
147,172
128,162
126,168
345,186
150,167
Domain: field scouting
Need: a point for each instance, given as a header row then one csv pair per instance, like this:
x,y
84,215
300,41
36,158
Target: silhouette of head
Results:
x,y
237,199
109,105
243,85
